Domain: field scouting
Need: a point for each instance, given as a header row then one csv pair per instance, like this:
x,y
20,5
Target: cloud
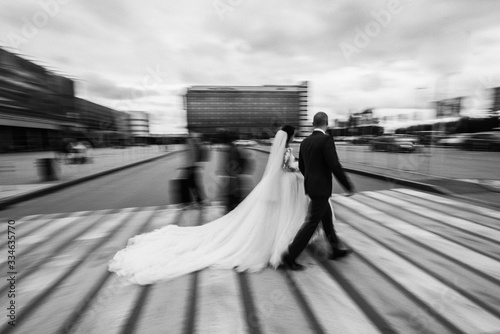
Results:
x,y
111,48
98,86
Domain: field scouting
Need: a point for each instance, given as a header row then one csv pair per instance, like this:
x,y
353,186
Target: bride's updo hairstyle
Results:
x,y
290,130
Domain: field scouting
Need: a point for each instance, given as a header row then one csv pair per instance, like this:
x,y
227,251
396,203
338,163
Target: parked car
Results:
x,y
483,141
394,144
457,139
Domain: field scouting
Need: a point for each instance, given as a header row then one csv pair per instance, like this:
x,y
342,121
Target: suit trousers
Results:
x,y
319,210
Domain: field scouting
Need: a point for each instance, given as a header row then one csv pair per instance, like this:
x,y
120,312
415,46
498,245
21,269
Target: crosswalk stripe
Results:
x,y
108,313
64,276
467,316
52,247
218,311
48,231
166,307
453,222
452,211
446,201
25,240
479,262
45,249
277,311
476,242
98,315
334,308
18,222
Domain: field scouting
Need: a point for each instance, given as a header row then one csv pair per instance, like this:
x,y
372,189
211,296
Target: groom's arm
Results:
x,y
332,160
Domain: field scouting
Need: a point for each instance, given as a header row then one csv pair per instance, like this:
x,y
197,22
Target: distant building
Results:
x,y
451,107
38,108
495,108
358,124
138,122
250,111
104,126
34,104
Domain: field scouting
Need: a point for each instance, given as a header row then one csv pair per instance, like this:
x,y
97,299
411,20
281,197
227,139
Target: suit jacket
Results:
x,y
317,161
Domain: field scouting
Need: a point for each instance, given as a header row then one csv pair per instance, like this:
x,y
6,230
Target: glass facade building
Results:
x,y
249,111
38,108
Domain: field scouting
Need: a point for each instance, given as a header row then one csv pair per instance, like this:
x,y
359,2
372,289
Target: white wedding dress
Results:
x,y
256,233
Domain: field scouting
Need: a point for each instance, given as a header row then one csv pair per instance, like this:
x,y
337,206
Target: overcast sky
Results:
x,y
142,55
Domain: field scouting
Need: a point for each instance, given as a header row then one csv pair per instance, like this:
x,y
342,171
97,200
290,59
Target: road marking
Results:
x,y
475,260
460,205
219,309
458,310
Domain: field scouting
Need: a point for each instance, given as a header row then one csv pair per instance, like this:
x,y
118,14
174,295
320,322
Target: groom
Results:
x,y
317,161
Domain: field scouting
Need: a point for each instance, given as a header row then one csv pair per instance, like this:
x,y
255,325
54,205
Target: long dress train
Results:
x,y
256,233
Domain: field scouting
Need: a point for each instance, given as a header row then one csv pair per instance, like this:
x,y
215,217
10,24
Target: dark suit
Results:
x,y
318,160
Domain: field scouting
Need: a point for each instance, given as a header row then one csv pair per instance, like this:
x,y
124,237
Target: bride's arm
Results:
x,y
289,164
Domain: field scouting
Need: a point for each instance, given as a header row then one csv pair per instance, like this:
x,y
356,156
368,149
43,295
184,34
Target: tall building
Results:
x,y
250,111
38,108
34,104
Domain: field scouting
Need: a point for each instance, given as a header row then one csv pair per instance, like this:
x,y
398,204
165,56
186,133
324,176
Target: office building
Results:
x,y
249,111
38,108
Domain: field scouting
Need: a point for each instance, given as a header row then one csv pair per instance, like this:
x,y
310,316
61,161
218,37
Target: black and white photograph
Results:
x,y
250,166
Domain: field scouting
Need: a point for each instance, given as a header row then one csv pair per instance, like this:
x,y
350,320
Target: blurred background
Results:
x,y
79,80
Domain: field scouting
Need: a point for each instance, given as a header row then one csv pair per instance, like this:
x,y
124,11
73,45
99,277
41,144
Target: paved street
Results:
x,y
422,264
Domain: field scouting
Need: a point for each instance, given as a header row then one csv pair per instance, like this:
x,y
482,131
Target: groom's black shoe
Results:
x,y
288,264
339,253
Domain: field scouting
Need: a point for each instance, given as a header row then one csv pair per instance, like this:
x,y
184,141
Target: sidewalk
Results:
x,y
19,175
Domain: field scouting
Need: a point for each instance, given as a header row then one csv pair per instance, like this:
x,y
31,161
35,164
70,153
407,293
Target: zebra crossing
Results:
x,y
422,263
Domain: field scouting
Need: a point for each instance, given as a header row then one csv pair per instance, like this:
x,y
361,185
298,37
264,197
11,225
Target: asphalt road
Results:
x,y
148,185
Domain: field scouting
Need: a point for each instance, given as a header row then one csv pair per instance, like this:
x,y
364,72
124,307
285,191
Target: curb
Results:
x,y
50,189
414,184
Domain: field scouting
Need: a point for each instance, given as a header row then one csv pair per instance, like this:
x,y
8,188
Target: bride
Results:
x,y
256,233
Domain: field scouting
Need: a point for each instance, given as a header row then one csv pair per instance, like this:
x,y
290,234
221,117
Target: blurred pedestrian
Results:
x,y
63,149
194,158
233,168
79,151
